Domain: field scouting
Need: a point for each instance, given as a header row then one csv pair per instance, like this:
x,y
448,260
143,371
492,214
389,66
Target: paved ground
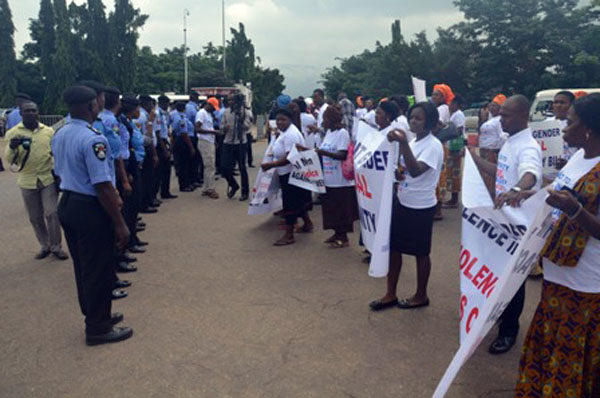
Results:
x,y
219,312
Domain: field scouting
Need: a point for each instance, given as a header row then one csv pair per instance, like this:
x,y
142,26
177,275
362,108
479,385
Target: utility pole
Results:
x,y
186,13
223,32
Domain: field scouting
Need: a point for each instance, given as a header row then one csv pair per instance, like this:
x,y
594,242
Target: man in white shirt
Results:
x,y
519,168
369,117
320,106
206,144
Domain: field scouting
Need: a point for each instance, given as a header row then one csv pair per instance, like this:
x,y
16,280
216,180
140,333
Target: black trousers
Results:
x,y
163,180
250,157
147,175
183,159
509,320
232,154
131,206
219,154
196,169
91,241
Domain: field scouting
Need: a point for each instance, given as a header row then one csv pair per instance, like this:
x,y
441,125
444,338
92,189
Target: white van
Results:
x,y
541,108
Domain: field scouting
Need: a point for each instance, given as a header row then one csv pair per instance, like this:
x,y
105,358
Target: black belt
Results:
x,y
70,195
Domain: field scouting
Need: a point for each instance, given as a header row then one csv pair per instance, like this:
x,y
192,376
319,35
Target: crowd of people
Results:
x,y
113,158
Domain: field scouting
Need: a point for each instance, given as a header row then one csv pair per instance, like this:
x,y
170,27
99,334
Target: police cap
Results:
x,y
112,90
23,96
76,95
145,99
130,99
94,85
164,98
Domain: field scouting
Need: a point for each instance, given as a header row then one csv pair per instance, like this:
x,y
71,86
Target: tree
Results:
x,y
8,62
240,56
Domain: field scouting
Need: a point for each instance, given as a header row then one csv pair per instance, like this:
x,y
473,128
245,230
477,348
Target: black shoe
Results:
x,y
115,335
118,294
251,166
501,345
116,317
141,243
378,305
231,192
185,189
196,185
243,197
124,267
61,255
149,210
42,254
136,249
120,283
141,224
168,196
140,229
156,203
128,258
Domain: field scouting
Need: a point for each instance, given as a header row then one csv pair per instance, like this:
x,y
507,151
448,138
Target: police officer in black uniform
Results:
x,y
89,212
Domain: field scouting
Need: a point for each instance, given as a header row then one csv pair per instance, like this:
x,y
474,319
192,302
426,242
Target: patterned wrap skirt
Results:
x,y
454,171
561,353
440,190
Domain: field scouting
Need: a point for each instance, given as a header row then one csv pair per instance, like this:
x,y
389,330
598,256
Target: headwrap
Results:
x,y
359,101
283,100
214,102
446,92
499,99
579,94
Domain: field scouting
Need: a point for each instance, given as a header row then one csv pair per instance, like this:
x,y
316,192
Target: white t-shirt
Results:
x,y
490,134
520,154
568,151
206,120
444,112
361,112
284,144
321,112
369,118
335,141
585,277
459,120
401,123
306,119
419,192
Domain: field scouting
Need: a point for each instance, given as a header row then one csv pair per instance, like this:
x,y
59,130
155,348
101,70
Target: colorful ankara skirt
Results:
x,y
561,354
454,171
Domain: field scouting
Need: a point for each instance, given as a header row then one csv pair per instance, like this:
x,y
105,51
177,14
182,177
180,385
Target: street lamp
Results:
x,y
186,14
223,32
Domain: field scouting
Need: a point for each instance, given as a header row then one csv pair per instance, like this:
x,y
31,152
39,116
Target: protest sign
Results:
x,y
374,163
265,196
499,248
419,89
307,172
548,133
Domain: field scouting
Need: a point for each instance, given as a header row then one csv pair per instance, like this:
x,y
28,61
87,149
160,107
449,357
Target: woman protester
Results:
x,y
456,152
296,201
491,136
561,353
442,96
414,204
339,204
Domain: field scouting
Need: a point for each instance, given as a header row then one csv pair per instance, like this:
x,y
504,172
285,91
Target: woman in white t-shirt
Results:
x,y
561,353
414,204
296,201
339,204
442,97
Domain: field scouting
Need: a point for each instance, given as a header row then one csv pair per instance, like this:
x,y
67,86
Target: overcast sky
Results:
x,y
301,38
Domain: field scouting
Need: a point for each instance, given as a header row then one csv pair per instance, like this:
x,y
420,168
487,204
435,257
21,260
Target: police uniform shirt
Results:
x,y
163,123
80,158
182,125
112,132
13,118
125,138
137,142
142,124
191,109
114,144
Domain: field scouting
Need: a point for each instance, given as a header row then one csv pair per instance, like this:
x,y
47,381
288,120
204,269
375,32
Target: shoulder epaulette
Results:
x,y
89,126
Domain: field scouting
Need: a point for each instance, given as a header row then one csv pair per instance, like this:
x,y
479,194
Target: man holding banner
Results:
x,y
415,201
519,168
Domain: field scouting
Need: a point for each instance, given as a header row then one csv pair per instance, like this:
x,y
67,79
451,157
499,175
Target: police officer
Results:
x,y
183,131
89,214
196,164
164,147
145,123
14,117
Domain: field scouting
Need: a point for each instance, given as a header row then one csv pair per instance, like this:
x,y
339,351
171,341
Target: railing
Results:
x,y
54,121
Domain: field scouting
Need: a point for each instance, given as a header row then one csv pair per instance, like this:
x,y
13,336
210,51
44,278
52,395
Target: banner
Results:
x,y
499,248
419,89
374,165
548,133
265,196
307,172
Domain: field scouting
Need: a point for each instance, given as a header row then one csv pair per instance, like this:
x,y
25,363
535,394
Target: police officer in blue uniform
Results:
x,y
196,165
164,148
89,214
183,131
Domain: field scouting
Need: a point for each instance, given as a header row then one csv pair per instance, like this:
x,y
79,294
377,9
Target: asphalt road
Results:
x,y
217,311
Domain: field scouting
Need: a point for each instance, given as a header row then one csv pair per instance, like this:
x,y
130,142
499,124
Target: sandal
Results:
x,y
407,304
282,242
338,244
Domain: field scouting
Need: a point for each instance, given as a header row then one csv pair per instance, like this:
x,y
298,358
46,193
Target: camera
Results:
x,y
238,101
25,142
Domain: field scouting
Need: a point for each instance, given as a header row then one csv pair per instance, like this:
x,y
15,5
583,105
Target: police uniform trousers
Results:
x,y
235,154
147,175
196,165
163,179
131,203
183,159
90,238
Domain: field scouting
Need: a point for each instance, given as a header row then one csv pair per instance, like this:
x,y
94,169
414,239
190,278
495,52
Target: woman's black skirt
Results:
x,y
340,209
296,200
411,229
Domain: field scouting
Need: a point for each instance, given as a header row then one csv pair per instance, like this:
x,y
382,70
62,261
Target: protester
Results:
x,y
361,111
442,96
401,122
29,152
339,204
456,152
296,201
369,116
237,121
519,168
491,136
206,144
561,353
414,204
560,107
348,111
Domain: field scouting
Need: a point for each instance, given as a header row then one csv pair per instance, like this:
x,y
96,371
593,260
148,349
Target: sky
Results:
x,y
300,38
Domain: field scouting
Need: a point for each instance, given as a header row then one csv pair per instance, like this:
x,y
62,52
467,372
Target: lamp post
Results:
x,y
186,13
223,32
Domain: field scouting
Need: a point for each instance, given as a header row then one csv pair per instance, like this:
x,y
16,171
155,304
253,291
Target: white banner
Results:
x,y
499,248
419,89
265,196
307,172
374,165
548,133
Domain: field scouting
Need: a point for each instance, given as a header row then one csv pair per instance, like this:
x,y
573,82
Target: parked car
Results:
x,y
541,107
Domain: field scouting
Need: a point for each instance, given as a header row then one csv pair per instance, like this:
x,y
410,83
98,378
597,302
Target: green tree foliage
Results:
x,y
8,62
502,46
